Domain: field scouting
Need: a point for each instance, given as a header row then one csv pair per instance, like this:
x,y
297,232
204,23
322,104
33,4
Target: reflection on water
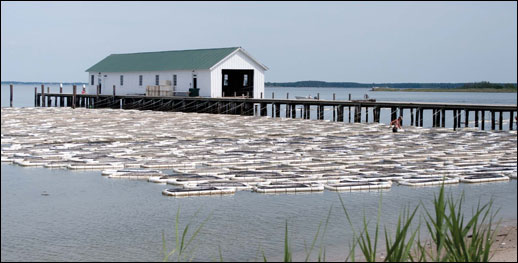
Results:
x,y
90,217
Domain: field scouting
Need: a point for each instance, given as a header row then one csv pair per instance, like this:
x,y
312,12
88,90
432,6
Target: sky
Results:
x,y
366,42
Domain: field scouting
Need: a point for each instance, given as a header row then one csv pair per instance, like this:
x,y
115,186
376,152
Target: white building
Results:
x,y
215,72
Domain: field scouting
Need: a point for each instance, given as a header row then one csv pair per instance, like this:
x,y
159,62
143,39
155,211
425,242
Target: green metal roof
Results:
x,y
163,60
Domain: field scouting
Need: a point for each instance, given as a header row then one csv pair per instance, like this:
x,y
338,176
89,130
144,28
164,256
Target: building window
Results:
x,y
225,80
140,80
122,80
174,80
245,80
156,80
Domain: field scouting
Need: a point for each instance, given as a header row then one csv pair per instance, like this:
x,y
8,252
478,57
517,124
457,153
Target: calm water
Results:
x,y
87,217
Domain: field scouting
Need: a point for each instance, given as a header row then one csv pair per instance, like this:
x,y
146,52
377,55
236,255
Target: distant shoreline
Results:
x,y
447,90
41,82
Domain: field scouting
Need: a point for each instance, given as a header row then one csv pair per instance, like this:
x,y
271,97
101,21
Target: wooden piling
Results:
x,y
42,95
483,120
263,109
511,120
11,96
476,118
454,120
459,113
466,119
500,120
334,108
367,114
358,113
277,110
492,120
349,114
434,118
74,97
421,117
411,116
417,117
320,112
443,117
340,113
293,111
61,99
36,104
393,113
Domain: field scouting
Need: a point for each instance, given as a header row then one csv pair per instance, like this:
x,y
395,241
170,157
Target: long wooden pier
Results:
x,y
259,107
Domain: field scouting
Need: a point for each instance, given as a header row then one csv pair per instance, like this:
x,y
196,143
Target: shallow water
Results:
x,y
88,217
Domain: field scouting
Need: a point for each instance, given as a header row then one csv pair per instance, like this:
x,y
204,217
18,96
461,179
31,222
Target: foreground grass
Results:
x,y
454,238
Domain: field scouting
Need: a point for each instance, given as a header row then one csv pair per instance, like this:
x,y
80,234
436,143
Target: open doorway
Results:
x,y
237,81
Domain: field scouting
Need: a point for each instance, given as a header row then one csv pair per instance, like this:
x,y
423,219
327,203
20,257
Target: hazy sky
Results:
x,y
329,41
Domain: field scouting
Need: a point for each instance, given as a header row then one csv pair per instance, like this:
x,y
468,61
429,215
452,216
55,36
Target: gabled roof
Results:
x,y
164,60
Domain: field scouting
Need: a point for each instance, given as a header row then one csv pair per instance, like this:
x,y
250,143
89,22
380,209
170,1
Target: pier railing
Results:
x,y
260,107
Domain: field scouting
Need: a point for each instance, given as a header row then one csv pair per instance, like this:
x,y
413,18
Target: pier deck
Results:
x,y
254,106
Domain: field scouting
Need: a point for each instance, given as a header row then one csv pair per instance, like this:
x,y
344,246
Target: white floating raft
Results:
x,y
351,186
198,191
484,178
288,188
428,182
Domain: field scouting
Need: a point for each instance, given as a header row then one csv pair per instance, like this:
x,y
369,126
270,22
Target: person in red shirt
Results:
x,y
396,124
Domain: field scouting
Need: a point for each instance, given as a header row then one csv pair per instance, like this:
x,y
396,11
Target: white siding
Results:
x,y
131,81
237,61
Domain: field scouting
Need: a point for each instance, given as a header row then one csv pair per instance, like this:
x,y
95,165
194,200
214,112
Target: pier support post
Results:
x,y
357,113
421,117
293,111
349,112
320,112
434,118
511,120
443,117
492,120
417,117
340,113
476,118
454,120
483,120
466,120
49,101
61,100
401,115
500,120
367,114
11,96
334,108
277,110
263,109
411,116
393,113
42,95
74,97
36,104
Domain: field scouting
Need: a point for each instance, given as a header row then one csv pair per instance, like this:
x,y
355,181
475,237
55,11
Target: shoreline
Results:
x,y
445,90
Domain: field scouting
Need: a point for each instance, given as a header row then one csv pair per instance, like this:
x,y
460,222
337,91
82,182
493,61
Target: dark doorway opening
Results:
x,y
237,81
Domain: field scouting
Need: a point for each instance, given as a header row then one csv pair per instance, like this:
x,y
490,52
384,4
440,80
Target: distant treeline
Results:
x,y
487,85
39,83
323,84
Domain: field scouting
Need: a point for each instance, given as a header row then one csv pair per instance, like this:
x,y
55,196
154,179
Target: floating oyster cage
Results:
x,y
268,155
